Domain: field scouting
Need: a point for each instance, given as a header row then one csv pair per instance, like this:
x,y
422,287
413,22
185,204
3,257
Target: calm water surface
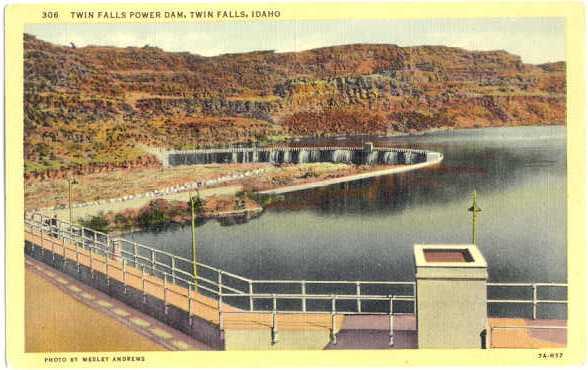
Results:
x,y
365,230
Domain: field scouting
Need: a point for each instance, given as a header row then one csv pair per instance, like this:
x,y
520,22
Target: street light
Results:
x,y
194,268
70,182
475,210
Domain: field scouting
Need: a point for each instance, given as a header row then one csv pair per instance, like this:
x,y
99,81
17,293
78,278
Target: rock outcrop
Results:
x,y
94,106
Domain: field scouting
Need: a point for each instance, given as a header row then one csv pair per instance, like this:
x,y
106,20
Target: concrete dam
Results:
x,y
368,154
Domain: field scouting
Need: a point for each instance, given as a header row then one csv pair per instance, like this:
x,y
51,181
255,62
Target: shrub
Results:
x,y
198,204
97,222
152,218
121,220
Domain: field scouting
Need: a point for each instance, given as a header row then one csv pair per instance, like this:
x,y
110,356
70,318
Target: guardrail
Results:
x,y
226,286
210,280
534,301
333,311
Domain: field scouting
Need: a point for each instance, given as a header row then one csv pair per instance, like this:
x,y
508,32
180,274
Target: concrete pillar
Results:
x,y
450,296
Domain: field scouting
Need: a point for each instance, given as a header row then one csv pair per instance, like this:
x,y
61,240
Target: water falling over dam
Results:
x,y
367,154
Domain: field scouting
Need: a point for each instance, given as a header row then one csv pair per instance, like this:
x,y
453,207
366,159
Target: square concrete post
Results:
x,y
451,296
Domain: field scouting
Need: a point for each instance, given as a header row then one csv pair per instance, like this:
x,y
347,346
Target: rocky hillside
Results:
x,y
89,108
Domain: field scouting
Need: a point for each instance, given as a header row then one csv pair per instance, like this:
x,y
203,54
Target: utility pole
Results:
x,y
194,269
475,210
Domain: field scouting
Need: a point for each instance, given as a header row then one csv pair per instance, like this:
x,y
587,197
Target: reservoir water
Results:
x,y
365,230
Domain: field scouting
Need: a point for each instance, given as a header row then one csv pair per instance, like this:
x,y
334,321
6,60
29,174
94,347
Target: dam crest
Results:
x,y
367,154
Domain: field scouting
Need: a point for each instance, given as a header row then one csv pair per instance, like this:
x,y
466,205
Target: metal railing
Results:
x,y
226,286
75,239
210,280
533,289
156,261
332,311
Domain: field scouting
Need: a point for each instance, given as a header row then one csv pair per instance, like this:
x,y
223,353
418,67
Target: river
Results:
x,y
365,230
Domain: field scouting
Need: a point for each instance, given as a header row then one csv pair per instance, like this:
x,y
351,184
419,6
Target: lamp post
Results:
x,y
194,267
70,182
475,210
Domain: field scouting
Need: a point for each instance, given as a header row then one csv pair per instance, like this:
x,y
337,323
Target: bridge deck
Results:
x,y
202,306
506,332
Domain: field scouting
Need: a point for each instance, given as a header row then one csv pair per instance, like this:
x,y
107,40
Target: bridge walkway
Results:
x,y
60,312
250,330
199,305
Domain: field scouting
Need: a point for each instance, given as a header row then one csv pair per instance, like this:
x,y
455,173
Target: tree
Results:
x,y
155,214
97,222
198,204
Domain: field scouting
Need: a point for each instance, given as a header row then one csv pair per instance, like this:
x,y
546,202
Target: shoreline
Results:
x,y
82,212
218,216
365,175
299,187
105,206
395,135
97,209
428,131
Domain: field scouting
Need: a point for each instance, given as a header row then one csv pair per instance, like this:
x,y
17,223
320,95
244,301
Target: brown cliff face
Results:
x,y
91,106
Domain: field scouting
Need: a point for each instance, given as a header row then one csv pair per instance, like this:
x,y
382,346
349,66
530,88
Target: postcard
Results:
x,y
283,184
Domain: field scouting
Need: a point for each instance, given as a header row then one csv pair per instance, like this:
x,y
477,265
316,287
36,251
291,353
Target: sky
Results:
x,y
536,40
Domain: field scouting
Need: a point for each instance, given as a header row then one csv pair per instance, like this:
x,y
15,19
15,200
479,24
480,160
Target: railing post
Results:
x,y
64,253
173,266
83,237
42,247
358,293
274,320
152,261
143,283
414,302
80,236
165,292
60,230
196,278
135,254
391,321
124,275
56,229
333,321
534,287
42,237
52,250
77,255
106,268
221,321
108,248
303,291
220,286
91,264
190,305
250,295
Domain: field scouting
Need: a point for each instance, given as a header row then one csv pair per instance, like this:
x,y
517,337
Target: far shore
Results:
x,y
83,212
365,175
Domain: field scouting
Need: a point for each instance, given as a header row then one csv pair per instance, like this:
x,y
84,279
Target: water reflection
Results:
x,y
366,229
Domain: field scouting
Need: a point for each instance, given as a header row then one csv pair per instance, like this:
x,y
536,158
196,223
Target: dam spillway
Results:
x,y
366,155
